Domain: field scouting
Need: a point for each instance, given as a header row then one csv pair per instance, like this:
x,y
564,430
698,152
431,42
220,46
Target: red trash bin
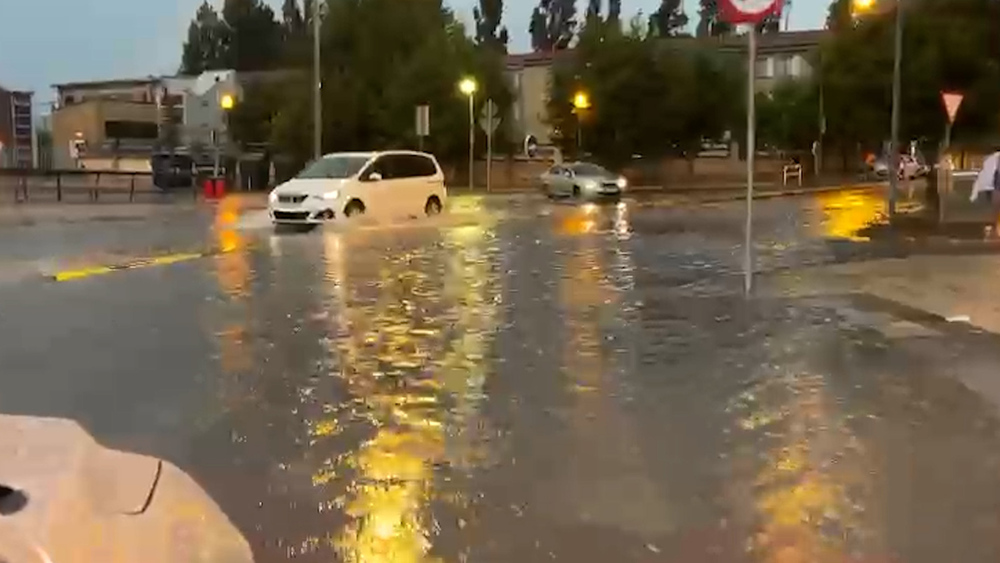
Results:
x,y
214,188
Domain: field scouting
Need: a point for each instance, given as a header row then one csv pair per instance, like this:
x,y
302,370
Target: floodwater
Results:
x,y
521,380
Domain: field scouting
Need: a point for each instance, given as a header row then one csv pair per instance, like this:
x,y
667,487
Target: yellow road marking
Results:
x,y
81,273
69,275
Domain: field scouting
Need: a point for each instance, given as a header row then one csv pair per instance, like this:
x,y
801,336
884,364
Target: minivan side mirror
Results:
x,y
374,177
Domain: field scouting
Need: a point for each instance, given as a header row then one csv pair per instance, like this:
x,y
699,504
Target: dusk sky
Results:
x,y
43,42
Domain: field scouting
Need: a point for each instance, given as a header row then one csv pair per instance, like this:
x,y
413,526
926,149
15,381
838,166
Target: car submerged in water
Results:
x,y
338,186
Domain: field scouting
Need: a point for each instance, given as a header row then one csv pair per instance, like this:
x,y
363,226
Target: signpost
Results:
x,y
423,124
751,13
489,120
952,101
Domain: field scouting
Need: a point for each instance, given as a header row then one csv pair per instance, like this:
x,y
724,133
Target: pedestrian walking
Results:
x,y
988,182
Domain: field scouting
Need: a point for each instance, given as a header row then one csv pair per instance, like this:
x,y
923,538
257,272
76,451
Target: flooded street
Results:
x,y
521,380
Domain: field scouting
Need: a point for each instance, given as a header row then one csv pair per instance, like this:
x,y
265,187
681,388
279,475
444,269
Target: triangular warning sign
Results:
x,y
952,101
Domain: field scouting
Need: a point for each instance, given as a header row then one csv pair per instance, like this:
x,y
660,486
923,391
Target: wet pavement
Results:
x,y
520,380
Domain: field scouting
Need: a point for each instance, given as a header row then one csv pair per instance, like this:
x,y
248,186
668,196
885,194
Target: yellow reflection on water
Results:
x,y
845,213
811,487
411,355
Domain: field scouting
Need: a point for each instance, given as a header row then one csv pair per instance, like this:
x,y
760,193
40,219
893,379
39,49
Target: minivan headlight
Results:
x,y
272,197
331,195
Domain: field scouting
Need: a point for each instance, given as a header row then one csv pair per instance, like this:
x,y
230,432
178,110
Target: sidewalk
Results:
x,y
25,214
954,288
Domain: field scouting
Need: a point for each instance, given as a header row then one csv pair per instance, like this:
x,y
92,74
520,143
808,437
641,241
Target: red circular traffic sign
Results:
x,y
748,11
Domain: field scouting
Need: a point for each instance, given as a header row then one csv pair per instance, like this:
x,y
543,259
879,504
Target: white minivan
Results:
x,y
388,184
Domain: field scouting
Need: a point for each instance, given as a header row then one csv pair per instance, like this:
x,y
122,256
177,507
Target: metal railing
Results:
x,y
27,183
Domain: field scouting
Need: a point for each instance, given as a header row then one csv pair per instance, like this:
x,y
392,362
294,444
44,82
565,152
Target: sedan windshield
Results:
x,y
336,167
585,169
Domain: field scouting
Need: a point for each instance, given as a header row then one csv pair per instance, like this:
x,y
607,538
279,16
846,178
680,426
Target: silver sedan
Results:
x,y
582,180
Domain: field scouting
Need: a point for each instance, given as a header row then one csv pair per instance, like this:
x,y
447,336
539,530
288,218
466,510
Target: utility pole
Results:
x,y
318,84
896,95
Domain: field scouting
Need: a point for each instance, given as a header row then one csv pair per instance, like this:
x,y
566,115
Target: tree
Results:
x,y
206,42
489,33
631,77
387,57
669,20
254,37
949,45
788,116
553,25
711,23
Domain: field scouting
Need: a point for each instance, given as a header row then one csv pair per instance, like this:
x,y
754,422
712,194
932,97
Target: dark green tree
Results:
x,y
553,25
788,116
950,45
629,77
386,58
489,32
254,37
205,47
711,23
668,20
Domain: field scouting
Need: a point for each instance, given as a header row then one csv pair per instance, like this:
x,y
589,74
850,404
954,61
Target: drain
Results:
x,y
11,500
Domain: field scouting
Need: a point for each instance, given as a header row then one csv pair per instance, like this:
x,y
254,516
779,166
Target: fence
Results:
x,y
32,184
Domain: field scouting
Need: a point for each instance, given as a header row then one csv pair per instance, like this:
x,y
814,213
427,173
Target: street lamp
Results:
x,y
468,86
861,7
581,103
227,102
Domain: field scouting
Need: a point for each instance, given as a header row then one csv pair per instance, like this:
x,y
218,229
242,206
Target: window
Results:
x,y
334,167
765,67
584,169
397,166
131,130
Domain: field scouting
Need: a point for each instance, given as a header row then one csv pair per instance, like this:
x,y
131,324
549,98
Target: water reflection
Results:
x,y
811,488
846,213
410,351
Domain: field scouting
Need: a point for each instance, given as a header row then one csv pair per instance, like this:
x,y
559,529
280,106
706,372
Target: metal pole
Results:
x,y
472,138
489,145
751,153
317,94
896,94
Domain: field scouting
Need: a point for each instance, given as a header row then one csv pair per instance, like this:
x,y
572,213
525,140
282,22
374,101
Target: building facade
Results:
x,y
16,129
106,121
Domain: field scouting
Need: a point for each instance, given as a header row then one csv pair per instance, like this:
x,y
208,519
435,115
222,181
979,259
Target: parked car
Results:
x,y
582,180
388,184
909,167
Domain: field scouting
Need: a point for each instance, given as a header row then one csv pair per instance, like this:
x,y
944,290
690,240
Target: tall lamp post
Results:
x,y
859,8
468,87
318,86
226,102
581,103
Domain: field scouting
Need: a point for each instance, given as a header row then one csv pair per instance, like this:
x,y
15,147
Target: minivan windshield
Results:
x,y
337,167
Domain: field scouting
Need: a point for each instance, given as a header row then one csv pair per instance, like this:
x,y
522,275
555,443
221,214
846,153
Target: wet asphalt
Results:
x,y
519,380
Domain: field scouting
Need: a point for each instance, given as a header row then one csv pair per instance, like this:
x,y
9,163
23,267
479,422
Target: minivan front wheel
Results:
x,y
354,208
433,206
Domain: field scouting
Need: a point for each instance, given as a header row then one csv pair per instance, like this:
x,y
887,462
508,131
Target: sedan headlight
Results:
x,y
331,195
272,197
590,185
622,183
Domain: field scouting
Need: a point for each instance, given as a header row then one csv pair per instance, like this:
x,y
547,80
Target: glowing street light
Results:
x,y
468,86
227,102
581,101
860,8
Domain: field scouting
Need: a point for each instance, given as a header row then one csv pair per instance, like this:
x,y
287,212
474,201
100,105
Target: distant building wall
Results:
x,y
98,123
16,129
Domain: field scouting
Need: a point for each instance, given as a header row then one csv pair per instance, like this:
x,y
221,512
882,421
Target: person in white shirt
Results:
x,y
988,181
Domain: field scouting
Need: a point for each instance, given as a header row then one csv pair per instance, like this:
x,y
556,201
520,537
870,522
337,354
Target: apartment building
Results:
x,y
16,129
